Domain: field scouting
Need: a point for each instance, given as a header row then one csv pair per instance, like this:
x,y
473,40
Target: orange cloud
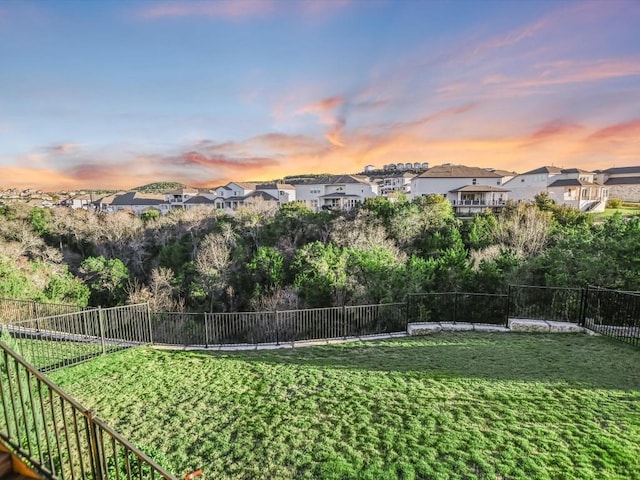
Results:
x,y
619,131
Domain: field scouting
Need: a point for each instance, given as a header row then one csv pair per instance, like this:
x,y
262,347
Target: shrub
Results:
x,y
614,203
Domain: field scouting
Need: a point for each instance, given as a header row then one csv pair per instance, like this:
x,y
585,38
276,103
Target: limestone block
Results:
x,y
456,327
423,328
564,327
484,327
524,325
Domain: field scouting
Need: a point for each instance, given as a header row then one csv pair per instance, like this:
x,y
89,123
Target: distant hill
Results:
x,y
159,187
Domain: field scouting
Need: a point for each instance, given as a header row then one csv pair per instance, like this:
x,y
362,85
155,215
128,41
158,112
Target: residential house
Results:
x,y
470,189
397,183
202,200
622,182
335,192
565,186
284,192
135,202
178,198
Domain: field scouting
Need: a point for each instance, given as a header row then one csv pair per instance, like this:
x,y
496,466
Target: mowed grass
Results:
x,y
469,405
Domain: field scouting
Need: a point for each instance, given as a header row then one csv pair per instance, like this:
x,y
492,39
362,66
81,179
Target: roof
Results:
x,y
137,198
575,170
479,188
201,200
449,170
622,170
623,181
573,182
261,194
183,191
245,185
546,169
275,186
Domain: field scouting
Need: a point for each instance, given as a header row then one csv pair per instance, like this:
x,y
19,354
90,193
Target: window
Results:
x,y
474,181
314,203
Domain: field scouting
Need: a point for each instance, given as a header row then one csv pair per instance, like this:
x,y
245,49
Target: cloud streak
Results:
x,y
218,9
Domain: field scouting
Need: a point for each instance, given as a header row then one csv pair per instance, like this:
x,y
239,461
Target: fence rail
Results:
x,y
546,303
16,310
59,437
60,340
613,313
458,307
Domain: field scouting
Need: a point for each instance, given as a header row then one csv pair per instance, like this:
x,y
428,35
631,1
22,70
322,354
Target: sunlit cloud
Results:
x,y
223,9
619,131
567,71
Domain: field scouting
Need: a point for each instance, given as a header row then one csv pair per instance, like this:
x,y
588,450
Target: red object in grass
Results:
x,y
192,475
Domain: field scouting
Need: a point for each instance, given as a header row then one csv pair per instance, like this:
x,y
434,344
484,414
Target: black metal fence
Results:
x,y
61,340
205,329
546,303
16,310
458,307
55,341
613,313
57,436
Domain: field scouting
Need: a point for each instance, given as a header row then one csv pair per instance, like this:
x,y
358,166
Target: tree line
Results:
x,y
264,258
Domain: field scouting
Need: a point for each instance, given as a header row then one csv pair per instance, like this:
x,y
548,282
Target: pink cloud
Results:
x,y
565,72
619,131
224,9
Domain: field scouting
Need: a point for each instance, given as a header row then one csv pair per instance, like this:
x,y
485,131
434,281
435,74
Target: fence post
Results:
x,y
344,320
508,307
101,329
277,327
149,324
206,329
583,305
406,309
96,457
455,306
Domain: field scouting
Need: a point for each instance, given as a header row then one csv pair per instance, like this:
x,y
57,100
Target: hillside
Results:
x,y
159,187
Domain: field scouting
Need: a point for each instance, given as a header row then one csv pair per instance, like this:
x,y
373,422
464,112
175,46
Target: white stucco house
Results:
x,y
622,182
178,198
342,192
470,189
398,183
565,186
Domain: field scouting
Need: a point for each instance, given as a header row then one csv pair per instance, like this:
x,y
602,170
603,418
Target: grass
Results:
x,y
625,210
470,405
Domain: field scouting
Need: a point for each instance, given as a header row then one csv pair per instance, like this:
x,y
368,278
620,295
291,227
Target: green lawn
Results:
x,y
625,210
470,405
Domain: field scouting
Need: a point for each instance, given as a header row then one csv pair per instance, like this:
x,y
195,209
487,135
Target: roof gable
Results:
x,y
449,170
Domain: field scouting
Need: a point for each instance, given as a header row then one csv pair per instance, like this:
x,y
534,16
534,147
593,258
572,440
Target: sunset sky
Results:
x,y
112,94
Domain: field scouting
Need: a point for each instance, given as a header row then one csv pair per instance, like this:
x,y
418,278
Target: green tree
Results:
x,y
40,219
106,279
321,277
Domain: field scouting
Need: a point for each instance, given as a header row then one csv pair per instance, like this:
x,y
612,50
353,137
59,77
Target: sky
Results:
x,y
112,94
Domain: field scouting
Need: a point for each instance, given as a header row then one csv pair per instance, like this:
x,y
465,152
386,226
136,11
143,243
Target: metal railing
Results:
x,y
546,303
458,307
16,310
276,327
57,436
613,313
62,340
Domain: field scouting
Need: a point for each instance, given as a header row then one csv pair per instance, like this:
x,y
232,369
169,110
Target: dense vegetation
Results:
x,y
468,406
262,258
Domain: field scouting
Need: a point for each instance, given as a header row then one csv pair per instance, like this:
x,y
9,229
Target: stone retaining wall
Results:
x,y
514,325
